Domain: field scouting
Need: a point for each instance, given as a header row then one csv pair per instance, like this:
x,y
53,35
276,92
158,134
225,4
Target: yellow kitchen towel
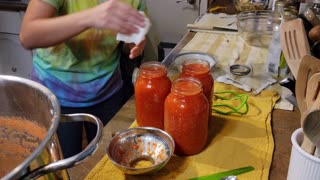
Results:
x,y
234,141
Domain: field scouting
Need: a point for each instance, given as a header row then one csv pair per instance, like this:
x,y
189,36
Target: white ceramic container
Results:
x,y
302,166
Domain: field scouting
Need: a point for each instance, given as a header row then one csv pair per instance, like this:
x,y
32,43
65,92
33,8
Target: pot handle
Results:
x,y
78,158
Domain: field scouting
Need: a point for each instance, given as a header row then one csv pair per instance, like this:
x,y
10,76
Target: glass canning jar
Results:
x,y
186,116
199,69
151,88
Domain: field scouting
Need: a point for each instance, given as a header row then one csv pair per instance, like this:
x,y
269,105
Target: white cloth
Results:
x,y
136,37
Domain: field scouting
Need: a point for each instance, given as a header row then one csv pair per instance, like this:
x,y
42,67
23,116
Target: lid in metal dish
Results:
x,y
180,58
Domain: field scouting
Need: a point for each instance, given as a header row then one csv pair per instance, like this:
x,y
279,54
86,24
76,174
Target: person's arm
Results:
x,y
136,49
40,27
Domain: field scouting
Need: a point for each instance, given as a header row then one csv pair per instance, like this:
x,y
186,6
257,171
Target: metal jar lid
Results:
x,y
240,70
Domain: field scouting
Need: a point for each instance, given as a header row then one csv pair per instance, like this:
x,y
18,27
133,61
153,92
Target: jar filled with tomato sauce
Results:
x,y
151,89
199,69
186,116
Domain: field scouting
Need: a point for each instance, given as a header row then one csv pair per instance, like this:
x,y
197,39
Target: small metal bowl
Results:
x,y
180,58
141,150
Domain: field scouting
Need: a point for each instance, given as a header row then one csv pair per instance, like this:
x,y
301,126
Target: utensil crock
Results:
x,y
302,164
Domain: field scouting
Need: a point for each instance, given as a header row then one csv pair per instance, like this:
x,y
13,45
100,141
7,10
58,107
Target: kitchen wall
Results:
x,y
169,19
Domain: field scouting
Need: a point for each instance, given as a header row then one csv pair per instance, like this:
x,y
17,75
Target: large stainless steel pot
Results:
x,y
30,100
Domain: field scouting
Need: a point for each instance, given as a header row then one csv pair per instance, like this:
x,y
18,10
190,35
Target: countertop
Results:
x,y
283,125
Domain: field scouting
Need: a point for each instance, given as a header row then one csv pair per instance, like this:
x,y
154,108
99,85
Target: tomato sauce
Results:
x,y
19,137
186,116
199,69
151,89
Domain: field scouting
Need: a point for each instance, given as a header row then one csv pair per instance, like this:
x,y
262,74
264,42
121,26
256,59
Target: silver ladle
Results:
x,y
311,128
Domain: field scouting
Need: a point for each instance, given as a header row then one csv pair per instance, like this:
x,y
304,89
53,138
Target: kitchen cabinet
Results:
x,y
14,59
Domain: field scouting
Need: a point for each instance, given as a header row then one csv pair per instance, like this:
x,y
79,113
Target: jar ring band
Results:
x,y
240,70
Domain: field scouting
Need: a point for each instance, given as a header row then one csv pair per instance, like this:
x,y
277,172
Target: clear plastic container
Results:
x,y
256,28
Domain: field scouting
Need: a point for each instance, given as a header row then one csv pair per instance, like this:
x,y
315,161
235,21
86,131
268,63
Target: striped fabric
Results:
x,y
229,49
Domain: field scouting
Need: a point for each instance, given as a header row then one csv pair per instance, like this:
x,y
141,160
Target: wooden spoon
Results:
x,y
294,43
306,93
311,125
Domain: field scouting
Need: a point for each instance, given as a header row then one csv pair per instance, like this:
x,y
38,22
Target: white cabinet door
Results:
x,y
14,59
10,22
169,18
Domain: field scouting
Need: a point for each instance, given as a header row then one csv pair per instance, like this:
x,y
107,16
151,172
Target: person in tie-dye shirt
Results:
x,y
77,56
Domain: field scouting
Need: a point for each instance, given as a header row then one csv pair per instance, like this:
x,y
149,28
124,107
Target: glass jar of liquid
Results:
x,y
151,88
186,116
199,69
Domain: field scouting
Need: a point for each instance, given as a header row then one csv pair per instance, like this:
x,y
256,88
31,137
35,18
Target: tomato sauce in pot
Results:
x,y
18,139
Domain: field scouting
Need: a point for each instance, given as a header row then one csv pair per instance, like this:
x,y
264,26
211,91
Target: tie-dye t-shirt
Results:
x,y
84,70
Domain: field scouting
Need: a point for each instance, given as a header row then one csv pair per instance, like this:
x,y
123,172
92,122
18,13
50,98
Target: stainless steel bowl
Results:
x,y
180,58
141,150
